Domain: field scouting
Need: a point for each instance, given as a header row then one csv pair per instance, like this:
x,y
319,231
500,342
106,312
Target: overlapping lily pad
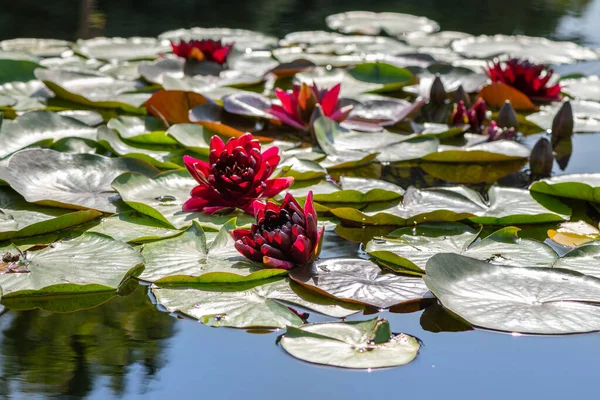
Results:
x,y
360,281
146,130
122,49
131,226
576,186
411,248
355,344
370,23
79,181
514,299
503,206
243,39
252,305
189,258
85,264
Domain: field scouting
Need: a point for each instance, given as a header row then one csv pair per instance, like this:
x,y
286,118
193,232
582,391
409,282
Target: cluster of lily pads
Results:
x,y
209,162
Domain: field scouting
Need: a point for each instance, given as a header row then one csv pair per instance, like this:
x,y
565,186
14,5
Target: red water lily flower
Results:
x,y
284,236
494,132
474,116
203,50
297,106
236,175
530,79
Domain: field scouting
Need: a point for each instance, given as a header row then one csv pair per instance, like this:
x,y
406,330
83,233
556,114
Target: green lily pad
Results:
x,y
15,70
506,206
162,198
243,39
41,128
353,344
94,90
514,299
88,117
410,248
26,95
87,263
535,49
122,49
360,281
576,186
583,259
37,47
131,226
337,141
192,136
252,305
79,181
371,23
143,130
391,78
497,151
302,170
188,258
19,218
164,159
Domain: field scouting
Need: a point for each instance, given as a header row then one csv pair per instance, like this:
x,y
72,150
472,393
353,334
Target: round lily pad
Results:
x,y
122,49
371,23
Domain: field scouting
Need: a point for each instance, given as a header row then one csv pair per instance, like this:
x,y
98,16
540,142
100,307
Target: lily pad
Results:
x,y
188,258
360,281
19,218
583,259
353,344
410,248
160,158
192,136
503,206
15,70
26,95
79,181
95,90
162,198
243,39
87,263
131,226
535,49
122,49
482,152
252,305
143,130
513,299
371,23
37,47
41,128
577,186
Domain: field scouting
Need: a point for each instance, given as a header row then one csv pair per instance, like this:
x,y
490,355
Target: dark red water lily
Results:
x,y
236,175
203,50
284,236
530,79
297,105
474,116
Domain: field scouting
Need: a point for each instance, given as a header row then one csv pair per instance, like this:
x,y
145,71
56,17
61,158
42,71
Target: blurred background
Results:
x,y
71,19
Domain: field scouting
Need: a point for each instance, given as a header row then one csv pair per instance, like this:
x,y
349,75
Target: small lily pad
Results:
x,y
122,49
371,23
353,344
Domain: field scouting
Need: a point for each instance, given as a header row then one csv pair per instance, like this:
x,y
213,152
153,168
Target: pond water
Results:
x,y
127,348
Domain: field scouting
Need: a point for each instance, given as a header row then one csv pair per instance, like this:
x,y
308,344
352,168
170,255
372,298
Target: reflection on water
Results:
x,y
64,354
566,19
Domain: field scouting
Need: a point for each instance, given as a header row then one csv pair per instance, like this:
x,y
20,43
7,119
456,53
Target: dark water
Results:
x,y
128,349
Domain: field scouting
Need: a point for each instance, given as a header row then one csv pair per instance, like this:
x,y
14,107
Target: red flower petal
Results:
x,y
276,186
301,250
195,204
330,99
276,263
238,234
248,251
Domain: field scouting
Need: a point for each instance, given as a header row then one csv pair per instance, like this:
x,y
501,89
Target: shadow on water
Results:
x,y
66,354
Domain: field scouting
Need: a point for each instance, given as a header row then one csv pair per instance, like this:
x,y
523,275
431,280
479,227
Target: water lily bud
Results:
x,y
507,117
541,159
461,95
437,94
562,125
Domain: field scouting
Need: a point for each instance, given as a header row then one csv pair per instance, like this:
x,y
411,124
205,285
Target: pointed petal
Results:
x,y
329,100
238,234
276,263
194,204
248,251
216,144
301,250
276,186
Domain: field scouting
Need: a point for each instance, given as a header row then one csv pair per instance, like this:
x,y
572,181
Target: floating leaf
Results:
x,y
497,151
162,198
495,94
174,105
585,113
21,219
121,49
40,128
360,281
243,39
131,226
16,70
79,181
188,258
389,76
573,234
88,263
505,206
37,47
26,95
576,186
249,306
370,23
410,248
144,130
514,299
583,259
353,344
